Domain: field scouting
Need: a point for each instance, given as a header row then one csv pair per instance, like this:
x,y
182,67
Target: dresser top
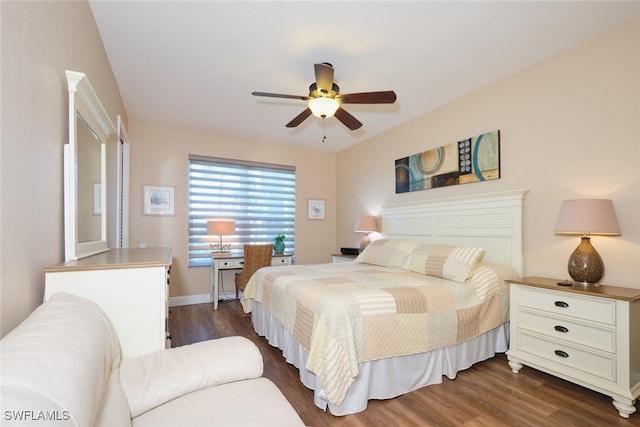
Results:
x,y
603,291
118,258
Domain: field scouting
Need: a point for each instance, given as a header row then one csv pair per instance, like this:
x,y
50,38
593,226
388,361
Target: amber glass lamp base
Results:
x,y
585,265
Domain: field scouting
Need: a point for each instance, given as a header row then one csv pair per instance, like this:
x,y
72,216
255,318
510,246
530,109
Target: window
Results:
x,y
260,197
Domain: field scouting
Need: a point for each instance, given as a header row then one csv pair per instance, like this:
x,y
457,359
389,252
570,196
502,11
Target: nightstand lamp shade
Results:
x,y
365,224
585,217
220,228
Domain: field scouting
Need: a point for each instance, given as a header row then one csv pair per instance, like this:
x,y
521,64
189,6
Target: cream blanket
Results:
x,y
346,313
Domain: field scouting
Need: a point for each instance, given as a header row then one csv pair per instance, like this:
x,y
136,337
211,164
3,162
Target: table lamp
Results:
x,y
365,224
586,217
220,228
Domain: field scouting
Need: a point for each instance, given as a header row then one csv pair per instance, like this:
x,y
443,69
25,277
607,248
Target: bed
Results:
x,y
425,301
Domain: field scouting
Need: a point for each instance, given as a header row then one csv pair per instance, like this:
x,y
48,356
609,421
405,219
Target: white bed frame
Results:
x,y
493,221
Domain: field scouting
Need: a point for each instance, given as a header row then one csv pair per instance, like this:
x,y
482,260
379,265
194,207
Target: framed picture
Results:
x,y
474,159
315,209
158,200
97,198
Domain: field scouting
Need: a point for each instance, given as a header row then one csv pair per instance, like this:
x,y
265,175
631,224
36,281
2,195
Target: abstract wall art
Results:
x,y
470,160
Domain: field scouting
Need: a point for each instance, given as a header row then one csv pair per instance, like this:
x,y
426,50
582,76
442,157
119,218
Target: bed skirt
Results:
x,y
383,378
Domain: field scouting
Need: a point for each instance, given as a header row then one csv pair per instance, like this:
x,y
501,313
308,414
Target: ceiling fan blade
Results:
x,y
279,95
347,119
382,97
324,76
299,118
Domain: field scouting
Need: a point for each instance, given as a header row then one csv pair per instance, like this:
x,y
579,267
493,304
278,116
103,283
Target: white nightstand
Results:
x,y
343,257
589,335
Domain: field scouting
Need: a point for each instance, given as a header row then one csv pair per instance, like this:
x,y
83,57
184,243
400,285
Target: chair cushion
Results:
x,y
255,402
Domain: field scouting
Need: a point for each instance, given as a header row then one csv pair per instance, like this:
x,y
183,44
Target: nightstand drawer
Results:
x,y
592,363
230,263
587,308
281,260
600,338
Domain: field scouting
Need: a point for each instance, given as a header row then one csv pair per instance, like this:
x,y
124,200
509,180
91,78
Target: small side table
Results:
x,y
343,257
589,335
235,262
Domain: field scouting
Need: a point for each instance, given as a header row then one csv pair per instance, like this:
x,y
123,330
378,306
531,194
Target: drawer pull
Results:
x,y
561,353
561,304
241,262
561,329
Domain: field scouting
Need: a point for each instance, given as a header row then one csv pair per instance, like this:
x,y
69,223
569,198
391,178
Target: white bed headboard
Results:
x,y
492,221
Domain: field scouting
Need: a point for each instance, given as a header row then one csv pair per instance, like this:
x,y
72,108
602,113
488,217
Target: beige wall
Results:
x,y
39,40
159,156
570,128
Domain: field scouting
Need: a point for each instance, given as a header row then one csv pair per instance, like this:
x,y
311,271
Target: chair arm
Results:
x,y
155,378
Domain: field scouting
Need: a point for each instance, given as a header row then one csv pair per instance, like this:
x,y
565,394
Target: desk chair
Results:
x,y
255,257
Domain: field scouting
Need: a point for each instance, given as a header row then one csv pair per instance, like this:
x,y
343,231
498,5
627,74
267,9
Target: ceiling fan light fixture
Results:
x,y
323,107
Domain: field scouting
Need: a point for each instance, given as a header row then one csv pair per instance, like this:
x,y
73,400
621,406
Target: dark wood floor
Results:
x,y
487,394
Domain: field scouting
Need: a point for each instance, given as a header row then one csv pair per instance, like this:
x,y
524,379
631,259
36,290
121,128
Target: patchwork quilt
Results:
x,y
346,313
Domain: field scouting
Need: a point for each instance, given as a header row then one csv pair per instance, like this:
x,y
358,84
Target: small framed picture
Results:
x,y
158,200
316,209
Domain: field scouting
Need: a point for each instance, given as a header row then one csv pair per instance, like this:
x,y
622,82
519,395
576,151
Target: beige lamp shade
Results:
x,y
221,228
366,224
585,217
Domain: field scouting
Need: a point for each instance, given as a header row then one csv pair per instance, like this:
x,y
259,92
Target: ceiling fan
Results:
x,y
325,99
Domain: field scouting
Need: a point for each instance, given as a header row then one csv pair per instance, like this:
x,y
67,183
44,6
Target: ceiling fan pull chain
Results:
x,y
324,131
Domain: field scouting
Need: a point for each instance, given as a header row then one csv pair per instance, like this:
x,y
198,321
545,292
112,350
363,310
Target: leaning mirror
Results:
x,y
85,210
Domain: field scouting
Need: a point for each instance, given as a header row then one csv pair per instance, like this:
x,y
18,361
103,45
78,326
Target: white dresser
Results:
x,y
130,285
587,335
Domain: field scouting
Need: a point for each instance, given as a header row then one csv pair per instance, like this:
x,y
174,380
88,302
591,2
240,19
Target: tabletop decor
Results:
x,y
586,217
221,228
278,244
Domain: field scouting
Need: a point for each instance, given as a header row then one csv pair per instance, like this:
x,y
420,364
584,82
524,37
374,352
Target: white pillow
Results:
x,y
388,253
445,261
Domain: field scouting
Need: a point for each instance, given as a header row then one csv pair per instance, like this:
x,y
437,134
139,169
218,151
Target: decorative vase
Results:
x,y
585,265
278,247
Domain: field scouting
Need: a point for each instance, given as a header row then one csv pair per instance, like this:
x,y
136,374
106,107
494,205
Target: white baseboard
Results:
x,y
198,299
189,299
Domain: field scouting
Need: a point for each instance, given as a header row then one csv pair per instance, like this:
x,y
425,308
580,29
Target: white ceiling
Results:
x,y
193,65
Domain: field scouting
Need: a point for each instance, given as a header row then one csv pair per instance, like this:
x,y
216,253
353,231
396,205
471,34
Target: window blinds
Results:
x,y
259,197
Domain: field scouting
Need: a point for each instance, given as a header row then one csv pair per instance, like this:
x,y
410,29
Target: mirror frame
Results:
x,y
84,101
